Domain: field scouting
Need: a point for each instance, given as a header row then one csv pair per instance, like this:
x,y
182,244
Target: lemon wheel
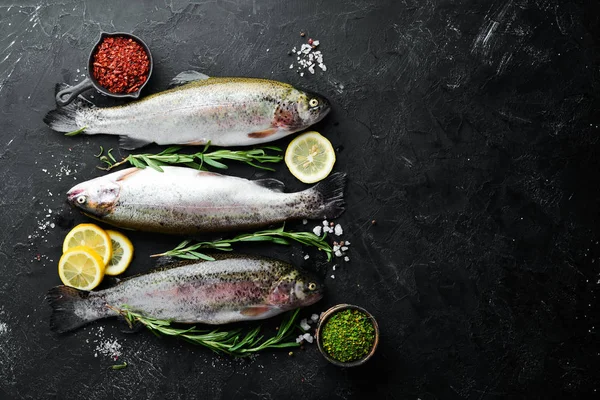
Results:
x,y
81,267
310,157
92,236
122,253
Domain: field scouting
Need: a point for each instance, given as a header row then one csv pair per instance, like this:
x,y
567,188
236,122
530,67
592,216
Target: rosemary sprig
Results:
x,y
199,160
234,342
189,251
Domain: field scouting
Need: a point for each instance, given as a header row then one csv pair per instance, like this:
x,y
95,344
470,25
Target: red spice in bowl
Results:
x,y
120,64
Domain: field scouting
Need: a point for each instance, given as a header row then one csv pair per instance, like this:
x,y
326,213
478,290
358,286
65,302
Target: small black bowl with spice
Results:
x,y
347,335
119,65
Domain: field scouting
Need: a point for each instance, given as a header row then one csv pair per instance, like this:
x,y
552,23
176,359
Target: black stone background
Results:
x,y
469,132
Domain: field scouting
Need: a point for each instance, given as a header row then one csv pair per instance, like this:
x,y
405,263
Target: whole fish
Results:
x,y
230,289
186,201
224,111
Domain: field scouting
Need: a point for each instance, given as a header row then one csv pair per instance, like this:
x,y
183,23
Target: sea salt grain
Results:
x,y
306,257
308,337
338,230
317,230
314,317
110,348
304,325
346,258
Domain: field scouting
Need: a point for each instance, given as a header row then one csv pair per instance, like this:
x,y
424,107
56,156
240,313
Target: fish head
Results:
x,y
96,197
297,289
311,108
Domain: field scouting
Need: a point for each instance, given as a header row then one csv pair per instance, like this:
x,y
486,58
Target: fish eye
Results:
x,y
312,286
81,199
313,102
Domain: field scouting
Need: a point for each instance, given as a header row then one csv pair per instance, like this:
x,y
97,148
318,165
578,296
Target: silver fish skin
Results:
x,y
230,289
224,111
187,201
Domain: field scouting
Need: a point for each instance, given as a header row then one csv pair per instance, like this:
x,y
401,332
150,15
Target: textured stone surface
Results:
x,y
469,132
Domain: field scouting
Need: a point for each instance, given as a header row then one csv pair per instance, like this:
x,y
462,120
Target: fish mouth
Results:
x,y
72,196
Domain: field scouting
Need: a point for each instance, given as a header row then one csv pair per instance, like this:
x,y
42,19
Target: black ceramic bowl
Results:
x,y
69,94
323,320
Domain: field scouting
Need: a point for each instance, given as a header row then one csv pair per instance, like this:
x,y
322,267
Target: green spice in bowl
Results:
x,y
347,335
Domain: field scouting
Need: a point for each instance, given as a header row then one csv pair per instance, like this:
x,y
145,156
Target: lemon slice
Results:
x,y
122,253
310,157
81,267
92,236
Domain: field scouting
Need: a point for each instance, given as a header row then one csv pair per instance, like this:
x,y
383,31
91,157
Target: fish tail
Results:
x,y
72,308
327,197
63,119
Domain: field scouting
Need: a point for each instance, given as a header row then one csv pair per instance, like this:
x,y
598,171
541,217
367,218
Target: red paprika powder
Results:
x,y
121,64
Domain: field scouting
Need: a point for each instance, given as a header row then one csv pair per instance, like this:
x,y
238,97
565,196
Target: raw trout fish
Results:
x,y
224,111
187,201
230,289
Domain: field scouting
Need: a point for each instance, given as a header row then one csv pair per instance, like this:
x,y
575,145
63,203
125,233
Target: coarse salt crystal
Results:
x,y
338,230
334,267
325,223
304,325
311,69
314,317
332,276
308,337
344,248
336,247
306,257
291,66
299,339
315,43
338,253
317,230
304,221
347,243
301,73
346,258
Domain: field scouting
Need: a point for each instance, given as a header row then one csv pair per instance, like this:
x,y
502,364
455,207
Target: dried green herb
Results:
x,y
348,335
119,366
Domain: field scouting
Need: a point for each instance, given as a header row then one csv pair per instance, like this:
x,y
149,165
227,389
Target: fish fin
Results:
x,y
329,197
187,77
271,183
129,143
65,301
210,173
63,118
127,173
263,134
164,261
255,311
200,142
